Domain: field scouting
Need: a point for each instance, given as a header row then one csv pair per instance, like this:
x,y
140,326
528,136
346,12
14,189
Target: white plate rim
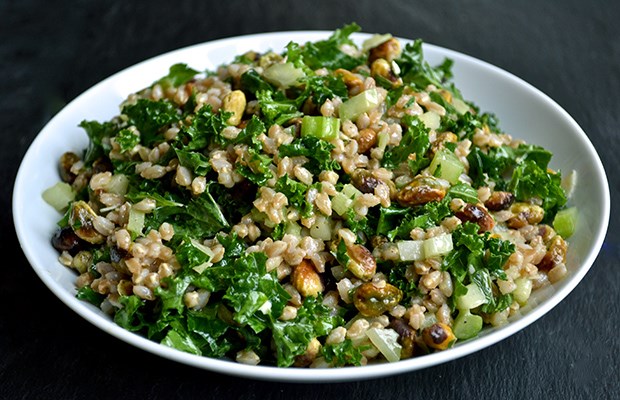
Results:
x,y
293,374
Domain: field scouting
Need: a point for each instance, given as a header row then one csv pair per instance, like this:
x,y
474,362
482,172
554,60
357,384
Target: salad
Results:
x,y
332,204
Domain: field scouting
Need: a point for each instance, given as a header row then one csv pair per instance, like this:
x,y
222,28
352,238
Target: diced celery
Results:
x,y
322,228
431,120
257,216
351,191
460,106
59,196
438,245
135,223
269,223
341,203
447,165
472,299
283,75
325,128
292,228
382,140
118,184
467,325
522,292
429,320
565,222
386,340
359,104
374,41
410,250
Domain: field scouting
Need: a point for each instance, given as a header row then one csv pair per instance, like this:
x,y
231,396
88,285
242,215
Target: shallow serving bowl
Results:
x,y
523,112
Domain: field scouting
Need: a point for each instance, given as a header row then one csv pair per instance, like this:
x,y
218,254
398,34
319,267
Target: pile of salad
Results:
x,y
335,203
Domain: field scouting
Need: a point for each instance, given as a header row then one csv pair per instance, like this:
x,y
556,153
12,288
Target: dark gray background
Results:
x,y
52,51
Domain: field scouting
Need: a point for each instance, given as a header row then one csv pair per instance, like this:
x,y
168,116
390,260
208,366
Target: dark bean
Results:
x,y
525,214
499,201
66,240
372,300
364,181
421,190
117,254
366,140
556,254
377,241
478,215
362,264
438,336
102,164
407,337
66,162
389,50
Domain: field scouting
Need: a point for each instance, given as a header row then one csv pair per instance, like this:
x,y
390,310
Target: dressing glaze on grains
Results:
x,y
331,204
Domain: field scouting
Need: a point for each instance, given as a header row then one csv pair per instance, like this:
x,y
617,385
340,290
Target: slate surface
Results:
x,y
51,51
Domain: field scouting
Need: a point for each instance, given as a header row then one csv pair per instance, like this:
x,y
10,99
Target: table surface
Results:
x,y
50,52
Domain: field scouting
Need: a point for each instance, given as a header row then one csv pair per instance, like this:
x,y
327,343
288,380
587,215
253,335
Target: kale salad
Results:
x,y
332,203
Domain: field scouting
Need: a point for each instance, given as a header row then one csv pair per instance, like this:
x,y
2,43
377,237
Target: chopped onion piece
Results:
x,y
386,340
59,196
438,245
410,250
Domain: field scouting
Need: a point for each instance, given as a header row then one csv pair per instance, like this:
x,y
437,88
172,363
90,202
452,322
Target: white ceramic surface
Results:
x,y
523,111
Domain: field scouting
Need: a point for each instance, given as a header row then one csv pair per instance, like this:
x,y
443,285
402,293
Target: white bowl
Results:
x,y
523,111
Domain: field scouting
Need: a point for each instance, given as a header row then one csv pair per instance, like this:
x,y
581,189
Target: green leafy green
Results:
x,y
277,108
417,72
292,337
172,294
465,192
249,134
178,75
256,169
477,258
88,294
97,133
317,150
211,330
497,164
295,191
252,82
127,140
131,316
253,287
150,117
396,222
465,125
358,225
199,216
195,161
188,255
341,254
530,181
398,277
412,147
328,54
326,87
204,129
343,353
181,341
521,170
